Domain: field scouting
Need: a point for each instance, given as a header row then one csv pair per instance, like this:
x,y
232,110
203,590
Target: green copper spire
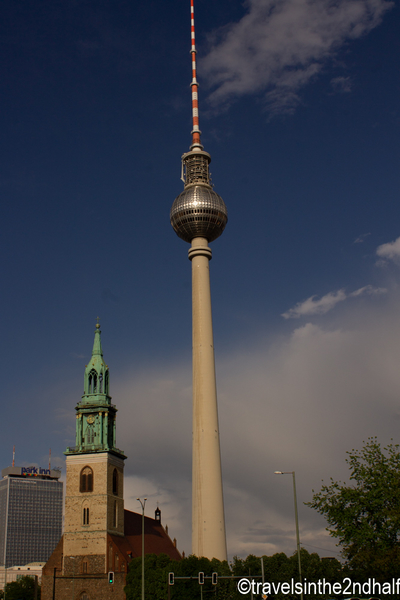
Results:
x,y
96,385
97,349
95,415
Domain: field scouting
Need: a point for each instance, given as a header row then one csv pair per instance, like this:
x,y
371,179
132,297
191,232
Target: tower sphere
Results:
x,y
198,212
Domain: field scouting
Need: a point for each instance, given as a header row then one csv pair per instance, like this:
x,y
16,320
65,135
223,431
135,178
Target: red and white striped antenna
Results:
x,y
195,87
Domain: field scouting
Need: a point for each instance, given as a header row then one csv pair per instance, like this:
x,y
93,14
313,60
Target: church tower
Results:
x,y
100,537
94,503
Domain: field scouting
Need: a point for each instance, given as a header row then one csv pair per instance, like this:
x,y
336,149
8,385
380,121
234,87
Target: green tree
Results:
x,y
365,516
23,589
156,569
280,568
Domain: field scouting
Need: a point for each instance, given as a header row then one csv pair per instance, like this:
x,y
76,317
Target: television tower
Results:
x,y
198,216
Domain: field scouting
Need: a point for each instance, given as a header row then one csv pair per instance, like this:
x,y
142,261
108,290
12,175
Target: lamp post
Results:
x,y
142,504
5,579
73,576
296,516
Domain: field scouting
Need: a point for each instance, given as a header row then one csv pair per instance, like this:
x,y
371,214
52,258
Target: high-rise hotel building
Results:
x,y
31,502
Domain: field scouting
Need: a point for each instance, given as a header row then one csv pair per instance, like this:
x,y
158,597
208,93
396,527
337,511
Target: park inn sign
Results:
x,y
34,471
31,472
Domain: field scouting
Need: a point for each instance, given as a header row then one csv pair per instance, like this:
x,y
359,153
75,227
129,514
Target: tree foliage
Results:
x,y
156,569
280,568
365,515
277,568
23,589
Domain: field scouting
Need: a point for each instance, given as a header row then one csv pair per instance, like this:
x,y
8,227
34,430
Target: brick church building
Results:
x,y
100,536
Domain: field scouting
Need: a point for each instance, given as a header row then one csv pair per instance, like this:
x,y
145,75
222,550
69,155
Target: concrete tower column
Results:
x,y
208,522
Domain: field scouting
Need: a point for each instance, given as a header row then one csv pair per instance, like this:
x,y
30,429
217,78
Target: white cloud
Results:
x,y
280,45
361,238
341,85
390,251
311,306
369,290
321,306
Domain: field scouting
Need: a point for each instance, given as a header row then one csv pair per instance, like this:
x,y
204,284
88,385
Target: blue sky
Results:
x,y
299,111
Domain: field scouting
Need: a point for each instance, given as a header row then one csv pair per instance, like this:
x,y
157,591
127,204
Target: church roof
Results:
x,y
156,539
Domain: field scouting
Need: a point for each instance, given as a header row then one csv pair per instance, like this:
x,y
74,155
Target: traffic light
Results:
x,y
201,578
214,578
111,577
171,578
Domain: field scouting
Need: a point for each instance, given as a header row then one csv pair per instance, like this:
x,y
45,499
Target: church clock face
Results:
x,y
90,419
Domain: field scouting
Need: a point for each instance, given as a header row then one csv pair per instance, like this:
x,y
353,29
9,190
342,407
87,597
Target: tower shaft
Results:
x,y
198,216
208,520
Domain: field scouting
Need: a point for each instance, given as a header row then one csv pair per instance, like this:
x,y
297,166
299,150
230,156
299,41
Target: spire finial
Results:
x,y
97,350
196,144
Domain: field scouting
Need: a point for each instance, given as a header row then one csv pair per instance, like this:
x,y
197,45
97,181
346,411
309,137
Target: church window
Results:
x,y
115,482
84,596
90,435
86,516
92,382
86,480
101,383
115,514
106,383
84,564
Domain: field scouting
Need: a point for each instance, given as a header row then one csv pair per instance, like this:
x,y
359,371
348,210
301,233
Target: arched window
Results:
x,y
92,381
85,518
101,383
84,567
115,482
84,596
86,480
90,435
115,514
107,381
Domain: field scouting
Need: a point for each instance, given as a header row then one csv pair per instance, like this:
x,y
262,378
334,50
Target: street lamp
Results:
x,y
73,576
5,579
296,516
142,504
